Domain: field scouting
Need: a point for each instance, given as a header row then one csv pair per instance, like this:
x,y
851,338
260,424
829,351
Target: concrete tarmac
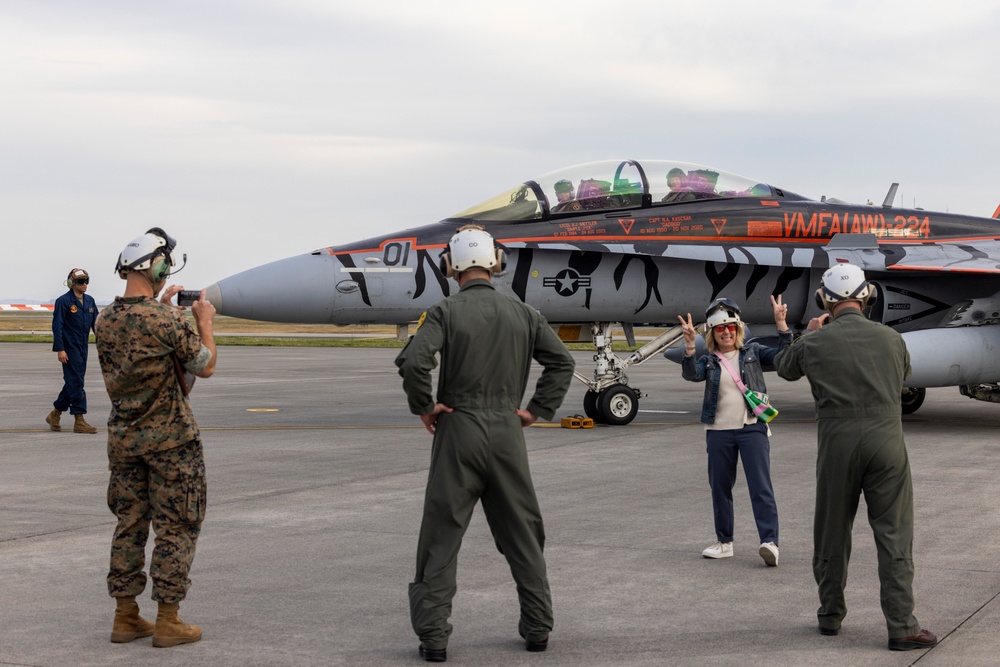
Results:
x,y
316,475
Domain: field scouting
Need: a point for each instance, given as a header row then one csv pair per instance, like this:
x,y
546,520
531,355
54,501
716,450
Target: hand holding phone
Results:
x,y
187,297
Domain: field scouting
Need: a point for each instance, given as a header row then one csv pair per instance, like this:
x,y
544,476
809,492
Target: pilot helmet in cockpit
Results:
x,y
564,190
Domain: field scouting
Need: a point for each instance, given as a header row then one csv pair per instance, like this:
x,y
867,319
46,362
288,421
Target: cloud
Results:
x,y
257,129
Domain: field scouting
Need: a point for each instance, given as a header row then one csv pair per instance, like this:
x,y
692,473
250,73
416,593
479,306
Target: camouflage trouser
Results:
x,y
168,489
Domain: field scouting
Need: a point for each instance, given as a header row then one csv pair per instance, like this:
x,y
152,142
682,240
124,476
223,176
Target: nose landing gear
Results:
x,y
609,399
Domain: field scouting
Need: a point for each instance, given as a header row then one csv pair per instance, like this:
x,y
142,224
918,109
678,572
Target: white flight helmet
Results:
x,y
722,311
844,282
469,247
152,251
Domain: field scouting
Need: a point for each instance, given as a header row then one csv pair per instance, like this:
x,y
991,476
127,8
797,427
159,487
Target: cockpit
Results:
x,y
614,185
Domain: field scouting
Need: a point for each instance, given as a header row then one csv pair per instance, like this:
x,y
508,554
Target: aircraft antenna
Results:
x,y
890,196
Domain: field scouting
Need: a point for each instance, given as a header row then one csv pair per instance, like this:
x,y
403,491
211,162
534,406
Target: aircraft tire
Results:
x,y
590,406
618,405
913,399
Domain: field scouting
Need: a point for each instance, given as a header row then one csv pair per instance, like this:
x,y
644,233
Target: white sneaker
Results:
x,y
719,550
769,552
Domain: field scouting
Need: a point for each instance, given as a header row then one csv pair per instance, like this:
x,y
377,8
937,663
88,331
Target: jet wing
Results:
x,y
976,256
968,255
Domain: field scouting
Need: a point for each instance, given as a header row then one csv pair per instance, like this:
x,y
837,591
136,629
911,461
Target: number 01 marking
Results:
x,y
396,253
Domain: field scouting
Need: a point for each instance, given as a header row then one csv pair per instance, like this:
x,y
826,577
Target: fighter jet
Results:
x,y
623,243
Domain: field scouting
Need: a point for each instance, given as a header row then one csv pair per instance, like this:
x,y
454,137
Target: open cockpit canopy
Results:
x,y
614,185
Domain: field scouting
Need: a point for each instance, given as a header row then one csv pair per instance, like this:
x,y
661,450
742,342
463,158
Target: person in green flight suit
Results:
x,y
486,341
856,368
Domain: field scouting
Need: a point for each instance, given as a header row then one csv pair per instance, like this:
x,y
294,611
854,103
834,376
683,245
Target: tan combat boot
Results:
x,y
171,630
129,624
52,419
81,426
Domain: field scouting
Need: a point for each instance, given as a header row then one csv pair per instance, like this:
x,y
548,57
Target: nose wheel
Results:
x,y
609,399
590,405
616,406
912,399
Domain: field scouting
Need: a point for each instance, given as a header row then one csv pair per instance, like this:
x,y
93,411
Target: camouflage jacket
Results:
x,y
135,339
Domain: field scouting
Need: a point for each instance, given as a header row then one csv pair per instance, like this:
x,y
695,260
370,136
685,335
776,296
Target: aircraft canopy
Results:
x,y
611,185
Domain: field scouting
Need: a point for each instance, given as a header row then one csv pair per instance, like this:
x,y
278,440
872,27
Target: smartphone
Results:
x,y
187,297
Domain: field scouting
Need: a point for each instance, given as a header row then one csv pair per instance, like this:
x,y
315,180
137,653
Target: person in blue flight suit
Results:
x,y
72,321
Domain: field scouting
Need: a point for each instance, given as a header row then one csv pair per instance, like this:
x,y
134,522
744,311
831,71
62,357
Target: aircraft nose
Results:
x,y
295,289
213,294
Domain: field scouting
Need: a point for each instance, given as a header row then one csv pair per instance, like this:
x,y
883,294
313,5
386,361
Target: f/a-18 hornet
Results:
x,y
623,243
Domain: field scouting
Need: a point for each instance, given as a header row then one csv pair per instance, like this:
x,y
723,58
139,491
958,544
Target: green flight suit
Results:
x,y
486,341
856,368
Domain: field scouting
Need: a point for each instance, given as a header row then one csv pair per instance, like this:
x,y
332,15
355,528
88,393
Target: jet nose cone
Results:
x,y
214,296
296,289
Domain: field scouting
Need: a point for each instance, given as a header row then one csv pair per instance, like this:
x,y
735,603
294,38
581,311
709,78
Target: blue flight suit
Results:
x,y
72,322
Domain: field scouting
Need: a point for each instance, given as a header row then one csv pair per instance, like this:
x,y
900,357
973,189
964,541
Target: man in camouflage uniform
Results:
x,y
146,347
486,341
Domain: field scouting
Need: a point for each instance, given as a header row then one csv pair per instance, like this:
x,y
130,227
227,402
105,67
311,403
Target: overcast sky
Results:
x,y
253,130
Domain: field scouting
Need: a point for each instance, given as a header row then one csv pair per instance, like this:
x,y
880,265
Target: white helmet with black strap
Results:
x,y
472,246
142,253
151,255
844,282
722,311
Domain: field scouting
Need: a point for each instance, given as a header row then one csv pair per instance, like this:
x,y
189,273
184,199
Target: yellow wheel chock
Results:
x,y
577,421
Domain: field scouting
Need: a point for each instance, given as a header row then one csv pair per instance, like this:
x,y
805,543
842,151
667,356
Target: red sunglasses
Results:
x,y
720,328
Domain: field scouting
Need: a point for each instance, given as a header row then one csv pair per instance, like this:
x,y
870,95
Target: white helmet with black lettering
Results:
x,y
472,246
722,311
844,282
144,252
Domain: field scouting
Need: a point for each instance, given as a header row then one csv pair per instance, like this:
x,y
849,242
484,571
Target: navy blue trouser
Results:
x,y
73,397
724,447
